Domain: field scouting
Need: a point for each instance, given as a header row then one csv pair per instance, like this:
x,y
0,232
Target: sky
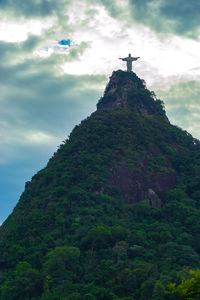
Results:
x,y
57,56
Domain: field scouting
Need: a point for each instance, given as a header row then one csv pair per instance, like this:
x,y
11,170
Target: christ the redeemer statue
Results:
x,y
129,61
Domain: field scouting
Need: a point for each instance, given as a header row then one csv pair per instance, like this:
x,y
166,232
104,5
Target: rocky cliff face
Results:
x,y
136,182
127,91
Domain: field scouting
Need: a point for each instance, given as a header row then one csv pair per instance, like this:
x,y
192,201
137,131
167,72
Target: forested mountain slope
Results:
x,y
115,214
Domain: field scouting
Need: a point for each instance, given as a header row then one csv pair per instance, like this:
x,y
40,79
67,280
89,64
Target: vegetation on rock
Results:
x,y
114,214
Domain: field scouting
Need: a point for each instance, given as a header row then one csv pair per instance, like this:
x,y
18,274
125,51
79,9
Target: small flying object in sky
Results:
x,y
65,43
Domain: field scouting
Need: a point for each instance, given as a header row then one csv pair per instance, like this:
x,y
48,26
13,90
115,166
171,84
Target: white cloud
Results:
x,y
162,56
18,31
40,138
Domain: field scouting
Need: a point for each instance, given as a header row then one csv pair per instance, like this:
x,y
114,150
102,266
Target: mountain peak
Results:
x,y
114,214
125,90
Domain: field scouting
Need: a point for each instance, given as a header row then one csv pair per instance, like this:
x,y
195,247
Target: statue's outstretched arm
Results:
x,y
135,58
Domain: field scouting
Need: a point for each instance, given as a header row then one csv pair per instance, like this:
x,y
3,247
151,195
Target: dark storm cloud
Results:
x,y
9,50
30,44
37,95
36,98
171,16
32,8
111,6
167,16
185,13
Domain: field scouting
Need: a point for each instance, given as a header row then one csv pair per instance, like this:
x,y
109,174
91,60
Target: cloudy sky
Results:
x,y
56,57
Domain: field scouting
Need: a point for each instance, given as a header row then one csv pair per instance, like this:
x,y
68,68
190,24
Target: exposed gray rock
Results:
x,y
154,200
127,91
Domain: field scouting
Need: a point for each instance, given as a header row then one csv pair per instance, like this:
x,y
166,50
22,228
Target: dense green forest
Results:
x,y
115,214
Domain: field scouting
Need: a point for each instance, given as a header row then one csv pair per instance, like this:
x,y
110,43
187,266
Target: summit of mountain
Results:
x,y
115,213
127,91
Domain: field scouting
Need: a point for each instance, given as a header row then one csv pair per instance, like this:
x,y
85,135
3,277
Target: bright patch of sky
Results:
x,y
164,55
17,31
108,39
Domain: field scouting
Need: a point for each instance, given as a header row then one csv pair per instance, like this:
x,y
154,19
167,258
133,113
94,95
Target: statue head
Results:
x,y
129,55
